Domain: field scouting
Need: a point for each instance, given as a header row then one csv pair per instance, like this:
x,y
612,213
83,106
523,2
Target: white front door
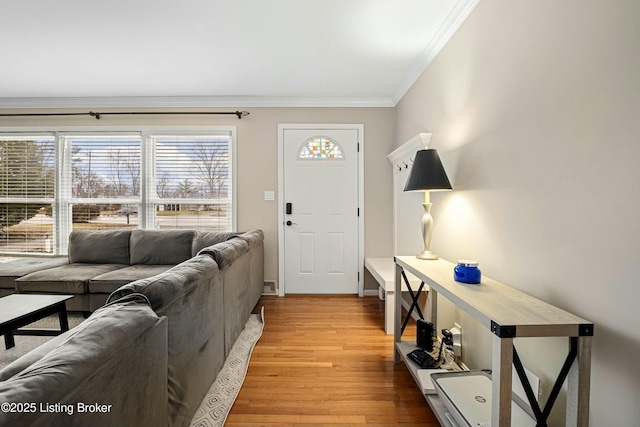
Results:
x,y
320,205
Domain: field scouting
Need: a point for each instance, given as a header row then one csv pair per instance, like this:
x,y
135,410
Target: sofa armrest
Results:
x,y
225,253
253,238
95,363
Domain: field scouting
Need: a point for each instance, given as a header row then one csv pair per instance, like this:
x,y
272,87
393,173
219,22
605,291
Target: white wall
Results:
x,y
534,106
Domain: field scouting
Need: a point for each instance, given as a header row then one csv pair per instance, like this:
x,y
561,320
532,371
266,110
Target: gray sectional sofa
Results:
x,y
159,342
99,262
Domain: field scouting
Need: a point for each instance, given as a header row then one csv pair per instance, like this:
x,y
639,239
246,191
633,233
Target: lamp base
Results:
x,y
427,255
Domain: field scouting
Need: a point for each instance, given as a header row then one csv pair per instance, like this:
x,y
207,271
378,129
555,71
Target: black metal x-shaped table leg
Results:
x,y
414,301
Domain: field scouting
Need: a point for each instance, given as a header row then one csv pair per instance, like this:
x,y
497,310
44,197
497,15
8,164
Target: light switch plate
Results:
x,y
269,195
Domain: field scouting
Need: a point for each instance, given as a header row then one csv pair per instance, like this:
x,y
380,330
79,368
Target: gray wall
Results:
x,y
534,108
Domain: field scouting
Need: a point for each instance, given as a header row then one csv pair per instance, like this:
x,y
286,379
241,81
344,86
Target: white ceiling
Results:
x,y
206,52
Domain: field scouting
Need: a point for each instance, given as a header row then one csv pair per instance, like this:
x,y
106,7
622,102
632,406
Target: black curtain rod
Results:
x,y
97,115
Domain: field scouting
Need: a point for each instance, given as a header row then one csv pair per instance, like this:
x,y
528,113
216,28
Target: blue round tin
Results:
x,y
467,271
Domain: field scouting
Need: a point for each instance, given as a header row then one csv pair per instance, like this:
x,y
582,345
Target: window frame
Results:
x,y
63,197
156,137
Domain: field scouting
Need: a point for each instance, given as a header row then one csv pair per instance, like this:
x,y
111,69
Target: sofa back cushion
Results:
x,y
99,247
160,247
202,239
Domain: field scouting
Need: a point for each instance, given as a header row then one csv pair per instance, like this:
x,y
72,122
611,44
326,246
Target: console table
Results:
x,y
508,314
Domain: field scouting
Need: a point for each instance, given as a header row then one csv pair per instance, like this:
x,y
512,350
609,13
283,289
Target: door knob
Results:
x,y
289,223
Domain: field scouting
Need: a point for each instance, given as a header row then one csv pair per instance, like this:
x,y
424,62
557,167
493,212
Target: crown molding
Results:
x,y
458,15
189,102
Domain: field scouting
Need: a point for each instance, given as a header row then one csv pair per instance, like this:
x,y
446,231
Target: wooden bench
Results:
x,y
383,270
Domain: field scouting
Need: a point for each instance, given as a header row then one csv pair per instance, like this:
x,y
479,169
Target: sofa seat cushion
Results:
x,y
99,247
112,280
12,270
67,279
156,247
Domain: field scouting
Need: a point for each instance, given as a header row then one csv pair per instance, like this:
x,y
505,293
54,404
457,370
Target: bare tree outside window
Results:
x,y
133,169
117,170
86,183
124,171
163,187
211,167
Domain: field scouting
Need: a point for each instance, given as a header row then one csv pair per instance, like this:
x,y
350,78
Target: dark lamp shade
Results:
x,y
427,173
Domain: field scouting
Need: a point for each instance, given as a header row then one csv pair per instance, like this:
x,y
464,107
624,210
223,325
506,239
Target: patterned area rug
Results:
x,y
216,405
26,343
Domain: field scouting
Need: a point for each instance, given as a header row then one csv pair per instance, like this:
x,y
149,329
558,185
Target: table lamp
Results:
x,y
427,174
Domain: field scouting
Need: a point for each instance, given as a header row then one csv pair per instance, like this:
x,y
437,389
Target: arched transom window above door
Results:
x,y
320,148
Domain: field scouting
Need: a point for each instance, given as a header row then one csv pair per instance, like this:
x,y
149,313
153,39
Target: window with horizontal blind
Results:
x,y
193,181
27,191
105,180
64,181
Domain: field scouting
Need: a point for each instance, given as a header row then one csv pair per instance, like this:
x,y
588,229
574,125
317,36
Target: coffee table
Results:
x,y
18,310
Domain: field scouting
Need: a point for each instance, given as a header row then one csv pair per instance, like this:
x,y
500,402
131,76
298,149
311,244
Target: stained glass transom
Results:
x,y
320,148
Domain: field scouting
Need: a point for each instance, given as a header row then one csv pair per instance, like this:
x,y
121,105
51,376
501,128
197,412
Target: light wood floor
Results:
x,y
326,361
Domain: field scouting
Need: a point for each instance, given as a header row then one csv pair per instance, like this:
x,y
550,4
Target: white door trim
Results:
x,y
281,129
